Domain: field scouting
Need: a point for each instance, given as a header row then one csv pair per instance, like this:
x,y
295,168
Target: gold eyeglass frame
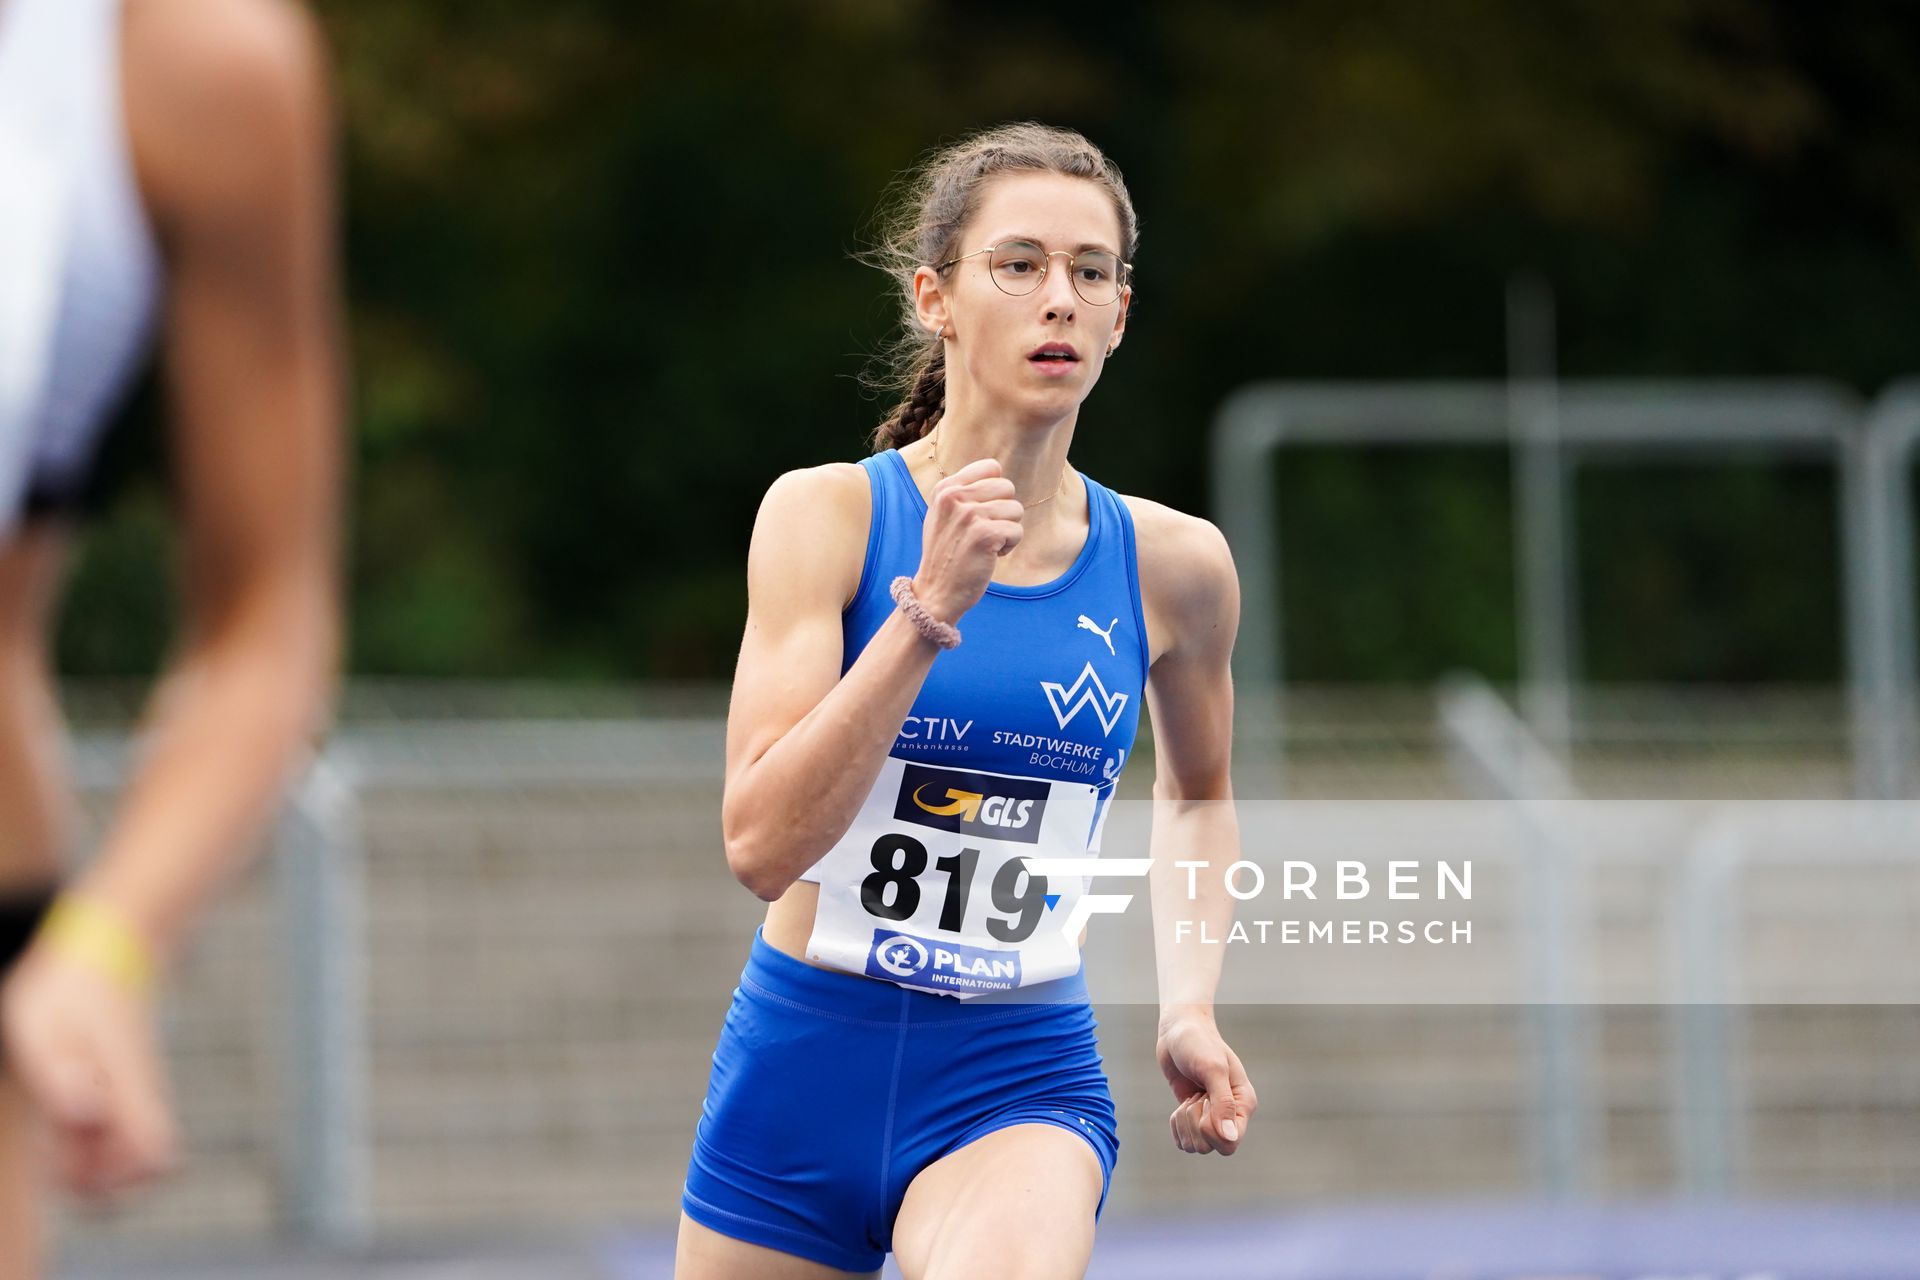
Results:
x,y
1119,283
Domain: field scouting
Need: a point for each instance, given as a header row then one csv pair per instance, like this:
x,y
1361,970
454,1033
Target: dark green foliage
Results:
x,y
601,297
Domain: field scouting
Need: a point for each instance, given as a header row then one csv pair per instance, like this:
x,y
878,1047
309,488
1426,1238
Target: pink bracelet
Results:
x,y
944,634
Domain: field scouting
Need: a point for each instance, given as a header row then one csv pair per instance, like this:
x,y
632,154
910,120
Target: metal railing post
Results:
x,y
1511,762
320,888
1884,658
1243,444
1702,1079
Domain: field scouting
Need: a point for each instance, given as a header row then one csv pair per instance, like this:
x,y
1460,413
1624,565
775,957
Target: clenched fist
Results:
x,y
972,520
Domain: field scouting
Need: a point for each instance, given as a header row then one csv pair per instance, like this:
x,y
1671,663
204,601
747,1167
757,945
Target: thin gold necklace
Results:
x,y
933,456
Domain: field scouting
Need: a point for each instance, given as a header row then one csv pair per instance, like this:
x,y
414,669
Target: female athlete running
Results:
x,y
945,653
164,185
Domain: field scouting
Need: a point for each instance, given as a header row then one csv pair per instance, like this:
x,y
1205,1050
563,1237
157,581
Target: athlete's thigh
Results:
x,y
32,783
21,1226
704,1254
32,798
1016,1204
33,812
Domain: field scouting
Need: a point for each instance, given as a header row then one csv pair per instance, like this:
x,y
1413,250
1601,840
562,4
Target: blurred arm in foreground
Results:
x,y
231,130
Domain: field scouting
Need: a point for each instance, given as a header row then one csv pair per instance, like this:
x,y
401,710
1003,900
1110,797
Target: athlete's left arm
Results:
x,y
232,137
1192,595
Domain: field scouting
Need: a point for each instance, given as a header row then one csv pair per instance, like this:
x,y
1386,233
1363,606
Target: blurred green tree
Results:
x,y
601,295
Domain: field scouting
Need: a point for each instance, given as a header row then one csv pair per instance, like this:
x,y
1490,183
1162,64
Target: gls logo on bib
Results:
x,y
972,803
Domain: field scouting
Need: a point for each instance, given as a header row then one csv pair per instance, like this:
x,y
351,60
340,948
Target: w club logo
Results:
x,y
1085,691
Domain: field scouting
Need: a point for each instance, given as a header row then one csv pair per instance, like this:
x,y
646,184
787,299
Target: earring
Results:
x,y
941,332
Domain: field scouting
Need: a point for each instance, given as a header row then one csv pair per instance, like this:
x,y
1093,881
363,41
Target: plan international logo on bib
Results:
x,y
977,804
952,966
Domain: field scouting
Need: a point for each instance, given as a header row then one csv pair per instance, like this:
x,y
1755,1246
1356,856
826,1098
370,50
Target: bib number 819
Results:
x,y
899,860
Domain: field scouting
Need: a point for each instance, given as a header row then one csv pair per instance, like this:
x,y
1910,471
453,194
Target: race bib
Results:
x,y
929,887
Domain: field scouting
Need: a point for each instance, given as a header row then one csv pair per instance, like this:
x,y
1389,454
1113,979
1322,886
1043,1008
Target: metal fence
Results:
x,y
1555,428
475,990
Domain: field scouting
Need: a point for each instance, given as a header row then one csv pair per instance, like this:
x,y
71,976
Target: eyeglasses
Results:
x,y
1018,267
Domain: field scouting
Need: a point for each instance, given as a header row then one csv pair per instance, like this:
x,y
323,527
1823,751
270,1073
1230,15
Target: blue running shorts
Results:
x,y
831,1091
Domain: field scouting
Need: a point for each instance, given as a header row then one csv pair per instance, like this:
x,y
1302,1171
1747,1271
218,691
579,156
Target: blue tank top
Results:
x,y
1048,678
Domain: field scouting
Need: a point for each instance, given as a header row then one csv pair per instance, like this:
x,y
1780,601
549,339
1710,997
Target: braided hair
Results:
x,y
930,206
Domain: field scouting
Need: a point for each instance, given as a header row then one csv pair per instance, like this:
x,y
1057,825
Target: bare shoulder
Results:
x,y
811,532
255,49
831,494
221,94
1188,586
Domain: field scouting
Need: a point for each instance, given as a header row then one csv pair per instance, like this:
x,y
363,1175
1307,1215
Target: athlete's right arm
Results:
x,y
804,743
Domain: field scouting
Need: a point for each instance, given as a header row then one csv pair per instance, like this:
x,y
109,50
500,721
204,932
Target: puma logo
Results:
x,y
1088,624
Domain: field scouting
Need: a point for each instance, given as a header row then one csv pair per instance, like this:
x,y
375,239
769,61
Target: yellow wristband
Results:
x,y
97,936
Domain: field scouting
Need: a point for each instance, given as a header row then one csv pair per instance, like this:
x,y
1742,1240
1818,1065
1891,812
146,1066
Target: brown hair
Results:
x,y
920,226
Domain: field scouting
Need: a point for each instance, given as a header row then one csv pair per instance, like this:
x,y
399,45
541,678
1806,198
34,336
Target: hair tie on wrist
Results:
x,y
97,936
944,634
